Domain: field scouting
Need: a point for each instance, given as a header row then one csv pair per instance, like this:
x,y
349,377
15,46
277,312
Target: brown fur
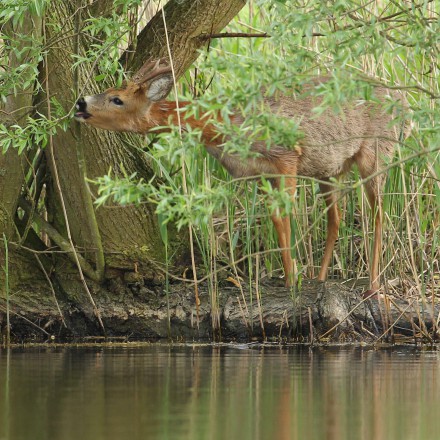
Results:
x,y
332,143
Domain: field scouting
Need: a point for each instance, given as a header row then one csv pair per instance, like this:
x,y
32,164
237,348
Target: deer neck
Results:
x,y
166,113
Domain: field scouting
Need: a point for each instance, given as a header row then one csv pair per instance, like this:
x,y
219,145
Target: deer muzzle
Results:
x,y
81,107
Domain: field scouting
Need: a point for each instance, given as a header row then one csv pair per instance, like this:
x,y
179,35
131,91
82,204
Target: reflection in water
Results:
x,y
224,392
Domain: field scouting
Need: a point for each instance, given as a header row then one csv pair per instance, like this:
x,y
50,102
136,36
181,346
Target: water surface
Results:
x,y
221,392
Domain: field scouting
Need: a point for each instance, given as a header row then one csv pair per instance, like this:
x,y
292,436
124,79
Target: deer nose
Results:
x,y
81,104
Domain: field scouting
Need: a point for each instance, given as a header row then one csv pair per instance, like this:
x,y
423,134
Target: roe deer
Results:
x,y
332,143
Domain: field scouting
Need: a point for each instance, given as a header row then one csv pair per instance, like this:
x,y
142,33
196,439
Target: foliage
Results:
x,y
15,10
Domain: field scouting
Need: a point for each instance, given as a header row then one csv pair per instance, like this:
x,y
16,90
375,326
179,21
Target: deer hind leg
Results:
x,y
282,227
372,189
333,220
367,167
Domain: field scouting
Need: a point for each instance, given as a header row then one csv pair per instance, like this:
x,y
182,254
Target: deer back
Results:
x,y
332,140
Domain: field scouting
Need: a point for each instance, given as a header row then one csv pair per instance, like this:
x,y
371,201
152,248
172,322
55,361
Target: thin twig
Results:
x,y
51,288
185,188
343,319
403,313
26,319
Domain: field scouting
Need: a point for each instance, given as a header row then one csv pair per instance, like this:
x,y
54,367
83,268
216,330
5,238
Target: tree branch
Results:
x,y
58,239
234,35
188,20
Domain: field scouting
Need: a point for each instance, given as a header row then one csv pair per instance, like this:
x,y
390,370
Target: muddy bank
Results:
x,y
327,312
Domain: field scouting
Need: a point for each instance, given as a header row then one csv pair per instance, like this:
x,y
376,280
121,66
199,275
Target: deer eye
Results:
x,y
116,101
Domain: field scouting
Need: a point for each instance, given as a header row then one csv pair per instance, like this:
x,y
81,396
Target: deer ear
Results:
x,y
160,87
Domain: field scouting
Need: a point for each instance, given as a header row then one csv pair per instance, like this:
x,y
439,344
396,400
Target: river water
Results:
x,y
235,392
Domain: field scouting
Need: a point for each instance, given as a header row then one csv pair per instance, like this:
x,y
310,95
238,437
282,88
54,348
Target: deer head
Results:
x,y
130,107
